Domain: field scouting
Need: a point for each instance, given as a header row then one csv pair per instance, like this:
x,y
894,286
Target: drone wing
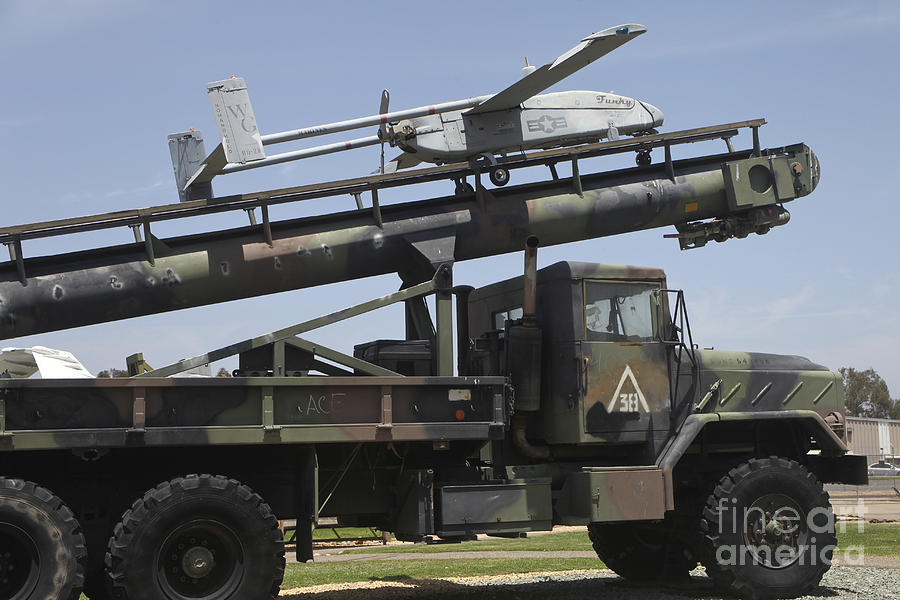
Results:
x,y
590,49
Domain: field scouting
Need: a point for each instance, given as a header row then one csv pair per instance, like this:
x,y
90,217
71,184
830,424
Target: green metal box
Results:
x,y
494,507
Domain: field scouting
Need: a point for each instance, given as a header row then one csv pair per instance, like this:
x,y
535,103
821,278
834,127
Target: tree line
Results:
x,y
866,395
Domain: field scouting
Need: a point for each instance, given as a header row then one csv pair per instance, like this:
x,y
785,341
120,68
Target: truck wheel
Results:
x,y
768,530
640,552
499,176
42,552
200,536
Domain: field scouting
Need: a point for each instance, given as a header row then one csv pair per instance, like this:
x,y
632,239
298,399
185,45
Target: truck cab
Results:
x,y
633,423
606,348
617,366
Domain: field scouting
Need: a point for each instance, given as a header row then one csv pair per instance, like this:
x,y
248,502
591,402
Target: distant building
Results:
x,y
879,439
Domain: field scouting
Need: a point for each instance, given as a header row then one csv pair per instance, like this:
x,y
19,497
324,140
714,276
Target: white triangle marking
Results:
x,y
628,374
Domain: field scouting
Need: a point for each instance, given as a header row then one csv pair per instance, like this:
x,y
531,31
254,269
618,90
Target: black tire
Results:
x,y
768,530
643,158
200,536
641,552
42,551
499,176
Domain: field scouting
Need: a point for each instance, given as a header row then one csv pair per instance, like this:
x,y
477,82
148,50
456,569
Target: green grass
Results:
x,y
344,532
877,539
303,575
567,541
322,573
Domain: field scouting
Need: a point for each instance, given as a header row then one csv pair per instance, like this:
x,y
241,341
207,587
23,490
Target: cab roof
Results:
x,y
572,270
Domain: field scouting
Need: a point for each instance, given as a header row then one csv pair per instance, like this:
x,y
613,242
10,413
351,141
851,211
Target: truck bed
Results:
x,y
107,413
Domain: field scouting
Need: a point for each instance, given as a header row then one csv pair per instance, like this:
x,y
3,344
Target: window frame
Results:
x,y
654,294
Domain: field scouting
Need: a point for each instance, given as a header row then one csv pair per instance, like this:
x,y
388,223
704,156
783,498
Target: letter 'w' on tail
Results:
x,y
230,102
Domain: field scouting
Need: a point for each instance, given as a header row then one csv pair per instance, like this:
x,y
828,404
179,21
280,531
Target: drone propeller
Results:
x,y
382,128
386,133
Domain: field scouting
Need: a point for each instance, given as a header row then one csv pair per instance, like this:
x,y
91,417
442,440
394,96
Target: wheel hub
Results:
x,y
20,563
198,562
200,559
775,531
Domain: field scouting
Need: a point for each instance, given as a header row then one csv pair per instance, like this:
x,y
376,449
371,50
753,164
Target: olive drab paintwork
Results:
x,y
600,385
504,507
47,414
606,382
765,382
117,282
611,379
580,396
593,495
616,402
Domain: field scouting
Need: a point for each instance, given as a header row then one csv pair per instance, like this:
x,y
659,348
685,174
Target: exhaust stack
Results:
x,y
523,340
529,283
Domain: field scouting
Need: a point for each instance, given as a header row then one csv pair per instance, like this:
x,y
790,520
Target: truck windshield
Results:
x,y
619,311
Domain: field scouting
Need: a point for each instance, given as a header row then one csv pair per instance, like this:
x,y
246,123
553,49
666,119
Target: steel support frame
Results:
x,y
440,285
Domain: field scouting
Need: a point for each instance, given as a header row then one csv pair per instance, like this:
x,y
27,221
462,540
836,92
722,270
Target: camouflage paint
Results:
x,y
118,282
766,382
501,507
47,414
594,495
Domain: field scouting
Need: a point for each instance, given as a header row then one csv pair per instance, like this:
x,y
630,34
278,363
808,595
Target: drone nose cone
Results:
x,y
656,115
814,172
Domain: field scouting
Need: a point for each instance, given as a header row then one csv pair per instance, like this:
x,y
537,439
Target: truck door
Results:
x,y
626,382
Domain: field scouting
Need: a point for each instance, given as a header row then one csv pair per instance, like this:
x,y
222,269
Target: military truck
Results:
x,y
578,395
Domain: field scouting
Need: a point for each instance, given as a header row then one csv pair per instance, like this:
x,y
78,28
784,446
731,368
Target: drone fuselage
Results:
x,y
543,121
515,119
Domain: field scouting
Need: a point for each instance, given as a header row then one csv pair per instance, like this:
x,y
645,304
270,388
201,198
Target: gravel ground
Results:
x,y
856,583
890,562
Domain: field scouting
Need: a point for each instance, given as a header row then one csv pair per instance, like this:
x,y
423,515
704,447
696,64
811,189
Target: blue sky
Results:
x,y
92,88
